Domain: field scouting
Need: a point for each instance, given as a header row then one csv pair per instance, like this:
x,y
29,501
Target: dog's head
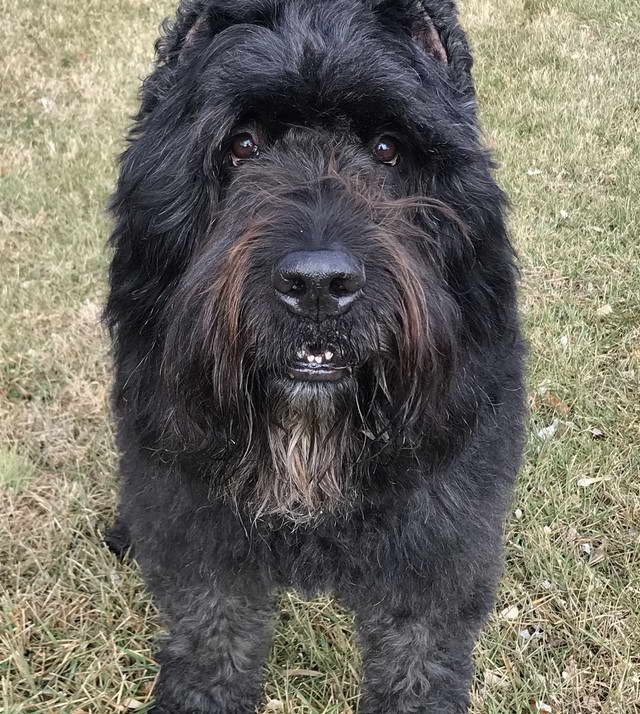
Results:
x,y
309,243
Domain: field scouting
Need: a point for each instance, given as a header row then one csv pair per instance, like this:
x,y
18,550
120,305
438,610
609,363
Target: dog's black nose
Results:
x,y
318,283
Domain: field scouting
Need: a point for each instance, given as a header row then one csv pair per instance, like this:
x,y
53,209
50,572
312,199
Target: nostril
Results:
x,y
342,285
345,284
289,283
297,287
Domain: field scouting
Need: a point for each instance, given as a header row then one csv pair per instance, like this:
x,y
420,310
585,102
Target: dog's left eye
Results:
x,y
385,150
243,146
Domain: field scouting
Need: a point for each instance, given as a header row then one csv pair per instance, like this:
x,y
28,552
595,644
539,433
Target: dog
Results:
x,y
318,358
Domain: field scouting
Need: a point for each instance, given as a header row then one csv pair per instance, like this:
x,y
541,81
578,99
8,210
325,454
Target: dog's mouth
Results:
x,y
319,363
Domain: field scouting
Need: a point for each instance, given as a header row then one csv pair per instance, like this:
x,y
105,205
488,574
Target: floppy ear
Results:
x,y
187,32
192,22
415,18
427,35
434,27
200,28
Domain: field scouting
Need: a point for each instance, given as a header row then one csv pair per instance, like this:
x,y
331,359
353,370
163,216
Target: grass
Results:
x,y
561,105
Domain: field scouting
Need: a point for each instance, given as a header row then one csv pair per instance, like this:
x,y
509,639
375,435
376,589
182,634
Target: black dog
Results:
x,y
318,358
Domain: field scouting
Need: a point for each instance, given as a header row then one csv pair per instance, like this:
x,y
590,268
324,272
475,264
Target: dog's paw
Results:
x,y
118,540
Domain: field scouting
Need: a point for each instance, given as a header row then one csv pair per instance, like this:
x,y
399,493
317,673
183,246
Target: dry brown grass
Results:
x,y
561,104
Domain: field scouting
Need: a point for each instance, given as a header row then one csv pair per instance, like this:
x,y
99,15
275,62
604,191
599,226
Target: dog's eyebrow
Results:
x,y
287,97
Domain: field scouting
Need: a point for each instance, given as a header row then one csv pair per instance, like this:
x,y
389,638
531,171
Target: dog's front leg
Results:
x,y
212,659
416,660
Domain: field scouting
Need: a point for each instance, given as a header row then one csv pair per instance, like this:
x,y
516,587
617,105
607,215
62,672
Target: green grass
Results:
x,y
558,84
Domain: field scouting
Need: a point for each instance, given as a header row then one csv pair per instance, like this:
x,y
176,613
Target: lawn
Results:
x,y
560,94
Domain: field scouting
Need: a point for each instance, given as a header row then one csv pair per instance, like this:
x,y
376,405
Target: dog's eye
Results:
x,y
385,150
243,146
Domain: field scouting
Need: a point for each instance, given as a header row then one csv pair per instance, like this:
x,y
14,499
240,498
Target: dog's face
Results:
x,y
318,166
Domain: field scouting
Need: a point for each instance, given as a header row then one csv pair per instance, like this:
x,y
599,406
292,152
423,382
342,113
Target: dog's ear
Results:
x,y
426,34
198,29
415,18
434,27
193,24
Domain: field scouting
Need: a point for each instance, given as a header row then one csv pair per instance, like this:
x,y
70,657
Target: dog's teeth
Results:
x,y
301,354
311,359
328,355
318,359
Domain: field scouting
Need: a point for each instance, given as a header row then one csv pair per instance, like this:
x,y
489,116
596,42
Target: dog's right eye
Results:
x,y
243,147
385,150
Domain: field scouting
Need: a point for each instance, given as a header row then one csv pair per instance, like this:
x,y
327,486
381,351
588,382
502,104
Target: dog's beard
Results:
x,y
309,450
310,444
276,447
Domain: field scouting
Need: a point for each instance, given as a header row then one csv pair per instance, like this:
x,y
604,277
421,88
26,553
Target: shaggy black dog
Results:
x,y
318,359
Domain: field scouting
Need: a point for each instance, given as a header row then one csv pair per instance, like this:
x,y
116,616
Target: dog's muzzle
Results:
x,y
318,285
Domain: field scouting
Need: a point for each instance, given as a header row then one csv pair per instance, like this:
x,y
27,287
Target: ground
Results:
x,y
558,84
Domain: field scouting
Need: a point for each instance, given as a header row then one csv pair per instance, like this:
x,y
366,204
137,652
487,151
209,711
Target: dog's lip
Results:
x,y
318,373
317,363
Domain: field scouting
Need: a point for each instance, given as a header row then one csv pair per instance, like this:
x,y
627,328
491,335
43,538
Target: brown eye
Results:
x,y
385,150
243,147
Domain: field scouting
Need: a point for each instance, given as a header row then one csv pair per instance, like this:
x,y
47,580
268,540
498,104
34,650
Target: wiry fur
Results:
x,y
387,488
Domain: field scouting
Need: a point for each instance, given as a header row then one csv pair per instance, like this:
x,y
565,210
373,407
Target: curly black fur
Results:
x,y
387,488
